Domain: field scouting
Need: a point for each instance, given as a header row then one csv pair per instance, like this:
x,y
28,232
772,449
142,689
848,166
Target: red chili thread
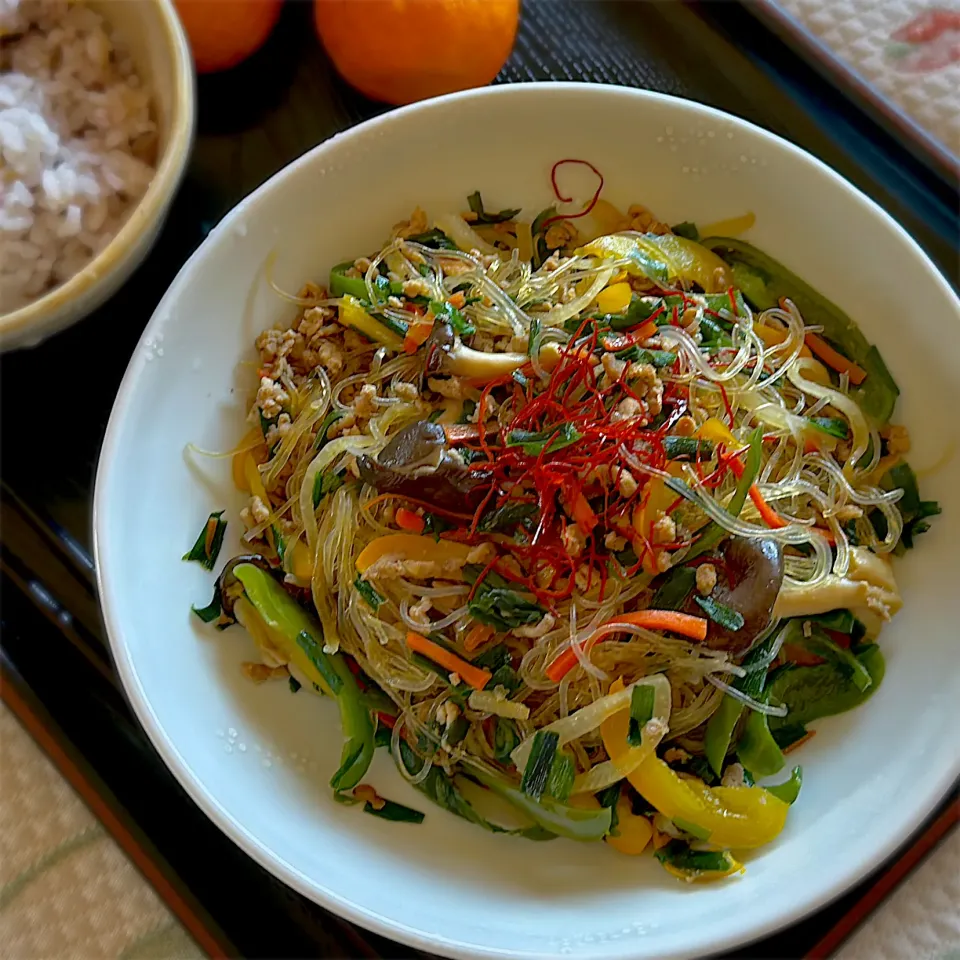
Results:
x,y
563,199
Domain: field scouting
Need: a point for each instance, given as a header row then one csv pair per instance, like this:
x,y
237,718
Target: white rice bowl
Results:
x,y
77,143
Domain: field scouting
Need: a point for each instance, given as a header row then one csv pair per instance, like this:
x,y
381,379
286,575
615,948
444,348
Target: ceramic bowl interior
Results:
x,y
258,759
151,31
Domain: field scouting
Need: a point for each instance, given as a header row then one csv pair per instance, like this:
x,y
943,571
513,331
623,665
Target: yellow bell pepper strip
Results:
x,y
615,298
411,546
731,227
666,258
390,333
717,431
737,818
633,833
299,638
624,755
301,563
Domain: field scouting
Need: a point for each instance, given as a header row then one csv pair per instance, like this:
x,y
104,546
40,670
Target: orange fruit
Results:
x,y
223,33
400,51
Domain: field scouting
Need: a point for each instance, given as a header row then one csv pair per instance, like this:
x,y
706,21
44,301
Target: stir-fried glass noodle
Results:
x,y
588,516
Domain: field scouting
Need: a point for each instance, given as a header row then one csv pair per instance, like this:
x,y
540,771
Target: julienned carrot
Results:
x,y
417,333
835,360
477,636
770,516
646,331
683,623
470,674
408,520
583,514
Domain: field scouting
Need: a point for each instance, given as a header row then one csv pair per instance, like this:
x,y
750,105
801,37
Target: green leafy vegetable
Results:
x,y
207,548
560,779
468,409
675,589
834,426
533,338
641,710
539,764
544,441
212,610
687,448
476,205
540,251
328,421
720,613
326,483
507,516
789,734
496,605
915,512
609,798
505,739
369,594
446,311
814,640
436,239
395,812
824,690
294,684
686,229
443,791
679,855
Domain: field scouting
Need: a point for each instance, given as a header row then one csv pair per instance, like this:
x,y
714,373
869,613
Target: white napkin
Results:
x,y
911,69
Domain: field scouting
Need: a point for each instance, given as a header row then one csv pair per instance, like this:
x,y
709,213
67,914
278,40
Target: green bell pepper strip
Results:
x,y
714,533
340,284
765,281
721,725
298,635
757,750
558,818
789,790
825,690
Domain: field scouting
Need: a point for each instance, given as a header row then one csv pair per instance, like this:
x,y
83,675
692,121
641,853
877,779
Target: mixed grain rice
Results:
x,y
77,143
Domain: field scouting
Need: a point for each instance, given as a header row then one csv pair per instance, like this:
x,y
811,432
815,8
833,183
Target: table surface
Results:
x,y
251,122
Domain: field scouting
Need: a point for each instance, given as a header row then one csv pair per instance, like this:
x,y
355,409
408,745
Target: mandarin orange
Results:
x,y
400,51
223,33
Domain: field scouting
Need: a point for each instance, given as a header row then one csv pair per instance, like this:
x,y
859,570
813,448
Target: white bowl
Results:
x,y
151,32
257,760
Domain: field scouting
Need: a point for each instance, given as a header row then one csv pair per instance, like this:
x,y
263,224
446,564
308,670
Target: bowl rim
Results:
x,y
839,883
162,187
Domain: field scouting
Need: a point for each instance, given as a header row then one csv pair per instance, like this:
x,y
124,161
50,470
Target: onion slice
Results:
x,y
588,718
